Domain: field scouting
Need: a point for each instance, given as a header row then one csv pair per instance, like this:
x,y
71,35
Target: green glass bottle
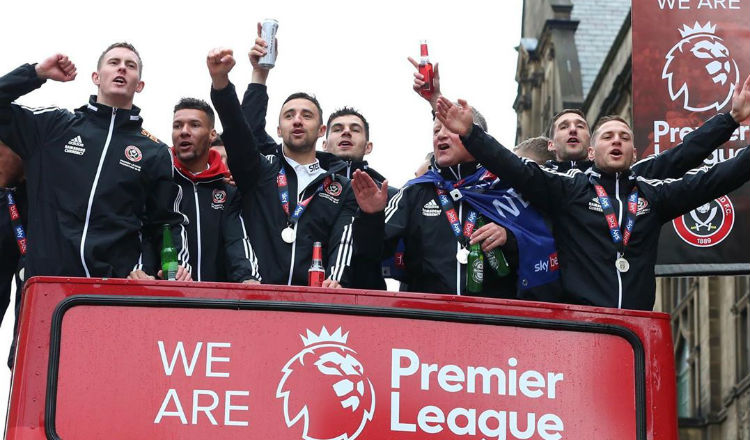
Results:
x,y
475,269
495,258
168,255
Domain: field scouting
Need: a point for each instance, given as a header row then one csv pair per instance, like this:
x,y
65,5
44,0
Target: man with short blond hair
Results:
x,y
114,188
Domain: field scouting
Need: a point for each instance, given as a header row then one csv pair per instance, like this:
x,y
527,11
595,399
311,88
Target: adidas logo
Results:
x,y
75,146
76,142
431,209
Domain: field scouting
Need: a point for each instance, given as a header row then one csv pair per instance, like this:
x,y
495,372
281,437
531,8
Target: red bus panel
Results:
x,y
124,359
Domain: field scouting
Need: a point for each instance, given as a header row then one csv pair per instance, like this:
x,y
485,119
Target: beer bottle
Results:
x,y
317,273
475,269
495,258
168,255
425,68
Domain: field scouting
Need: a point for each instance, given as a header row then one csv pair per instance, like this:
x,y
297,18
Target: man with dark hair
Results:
x,y
293,196
535,149
219,247
114,188
570,138
607,249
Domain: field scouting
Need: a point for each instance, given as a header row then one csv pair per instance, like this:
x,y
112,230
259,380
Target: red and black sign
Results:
x,y
688,58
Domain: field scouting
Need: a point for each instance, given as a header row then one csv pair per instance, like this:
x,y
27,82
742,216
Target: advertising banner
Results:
x,y
124,371
688,58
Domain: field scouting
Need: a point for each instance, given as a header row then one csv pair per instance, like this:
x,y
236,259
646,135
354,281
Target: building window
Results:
x,y
684,380
680,301
741,310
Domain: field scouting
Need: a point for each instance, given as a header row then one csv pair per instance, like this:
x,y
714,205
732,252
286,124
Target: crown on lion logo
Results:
x,y
324,336
686,30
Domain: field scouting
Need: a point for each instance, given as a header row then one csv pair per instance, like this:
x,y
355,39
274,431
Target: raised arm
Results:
x,y
544,189
244,159
702,185
699,144
255,100
21,128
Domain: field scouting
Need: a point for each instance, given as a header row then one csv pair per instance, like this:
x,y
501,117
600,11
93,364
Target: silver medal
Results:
x,y
462,255
622,264
288,235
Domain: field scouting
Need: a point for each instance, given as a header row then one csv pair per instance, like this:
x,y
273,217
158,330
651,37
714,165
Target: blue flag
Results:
x,y
537,256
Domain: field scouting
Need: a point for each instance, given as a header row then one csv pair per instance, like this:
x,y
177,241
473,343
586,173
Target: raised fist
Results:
x,y
57,68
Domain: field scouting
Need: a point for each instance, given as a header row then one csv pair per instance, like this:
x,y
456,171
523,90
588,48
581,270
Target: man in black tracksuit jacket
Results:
x,y
590,271
328,215
98,183
569,136
220,249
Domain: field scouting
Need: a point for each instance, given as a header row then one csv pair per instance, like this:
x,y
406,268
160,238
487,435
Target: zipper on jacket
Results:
x,y
93,191
619,222
294,244
198,227
458,264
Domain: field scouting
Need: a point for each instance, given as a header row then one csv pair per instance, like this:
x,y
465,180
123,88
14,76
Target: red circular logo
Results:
x,y
706,225
219,196
334,189
133,153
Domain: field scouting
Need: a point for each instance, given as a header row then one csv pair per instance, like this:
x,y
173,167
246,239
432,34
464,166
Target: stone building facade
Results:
x,y
577,53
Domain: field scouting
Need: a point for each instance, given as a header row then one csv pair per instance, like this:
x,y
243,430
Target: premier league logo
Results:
x,y
700,61
706,225
325,388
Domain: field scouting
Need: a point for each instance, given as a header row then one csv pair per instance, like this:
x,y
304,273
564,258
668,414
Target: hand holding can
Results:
x,y
268,33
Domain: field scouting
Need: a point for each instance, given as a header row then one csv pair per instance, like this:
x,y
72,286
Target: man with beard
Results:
x,y
219,247
607,255
292,197
111,188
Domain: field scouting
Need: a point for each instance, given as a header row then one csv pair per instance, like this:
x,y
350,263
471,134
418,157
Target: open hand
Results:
x,y
370,198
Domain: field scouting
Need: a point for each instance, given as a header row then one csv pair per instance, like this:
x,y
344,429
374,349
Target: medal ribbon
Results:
x,y
283,186
15,220
620,238
446,204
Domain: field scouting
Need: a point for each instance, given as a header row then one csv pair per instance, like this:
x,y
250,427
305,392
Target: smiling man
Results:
x,y
607,220
99,185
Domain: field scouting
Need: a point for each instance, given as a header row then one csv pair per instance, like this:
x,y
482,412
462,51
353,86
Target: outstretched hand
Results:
x,y
370,198
220,62
260,49
419,82
58,67
457,118
741,102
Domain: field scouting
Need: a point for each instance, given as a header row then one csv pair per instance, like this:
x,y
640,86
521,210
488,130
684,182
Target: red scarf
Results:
x,y
215,169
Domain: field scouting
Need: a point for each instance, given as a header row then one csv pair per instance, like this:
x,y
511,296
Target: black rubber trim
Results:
x,y
341,309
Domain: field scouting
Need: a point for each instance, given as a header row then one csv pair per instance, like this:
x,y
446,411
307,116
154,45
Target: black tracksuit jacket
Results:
x,y
327,218
98,185
415,216
220,249
585,248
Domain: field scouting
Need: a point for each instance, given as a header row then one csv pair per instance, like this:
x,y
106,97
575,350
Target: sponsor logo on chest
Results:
x,y
218,197
133,155
75,146
431,209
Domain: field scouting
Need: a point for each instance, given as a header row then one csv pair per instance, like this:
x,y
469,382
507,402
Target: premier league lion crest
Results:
x,y
708,224
325,387
699,63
